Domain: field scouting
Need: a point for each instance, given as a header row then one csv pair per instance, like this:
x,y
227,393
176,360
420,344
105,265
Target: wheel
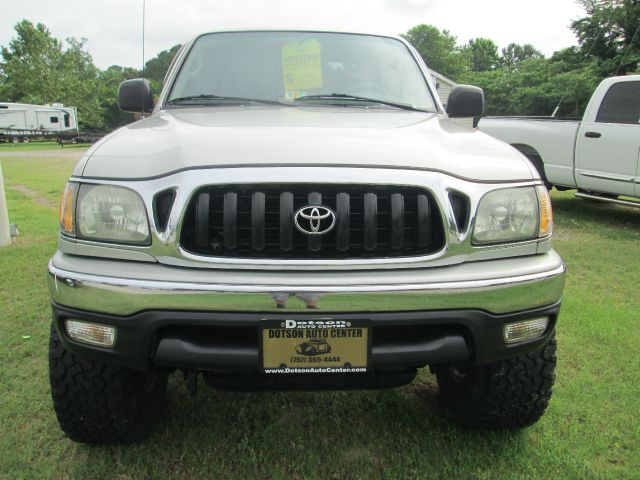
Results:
x,y
510,393
539,165
99,403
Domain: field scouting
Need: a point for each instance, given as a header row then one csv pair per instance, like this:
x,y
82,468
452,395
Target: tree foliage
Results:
x,y
483,54
156,68
438,49
610,33
30,65
514,53
109,82
520,80
79,84
37,68
537,87
40,69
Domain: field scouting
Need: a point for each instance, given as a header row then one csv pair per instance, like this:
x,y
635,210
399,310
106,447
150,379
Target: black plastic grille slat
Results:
x,y
397,221
424,221
230,219
342,221
256,221
315,241
286,222
202,220
370,221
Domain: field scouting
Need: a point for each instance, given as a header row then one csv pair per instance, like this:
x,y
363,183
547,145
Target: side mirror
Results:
x,y
465,101
135,96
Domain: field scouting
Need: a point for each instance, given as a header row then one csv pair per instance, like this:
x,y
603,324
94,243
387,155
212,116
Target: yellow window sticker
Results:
x,y
302,67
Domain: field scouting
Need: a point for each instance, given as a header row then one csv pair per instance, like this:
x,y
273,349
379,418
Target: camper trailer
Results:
x,y
22,122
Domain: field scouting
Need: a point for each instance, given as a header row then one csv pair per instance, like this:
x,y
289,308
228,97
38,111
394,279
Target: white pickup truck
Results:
x,y
598,155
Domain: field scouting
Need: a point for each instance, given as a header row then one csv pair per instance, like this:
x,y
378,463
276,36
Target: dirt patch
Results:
x,y
33,195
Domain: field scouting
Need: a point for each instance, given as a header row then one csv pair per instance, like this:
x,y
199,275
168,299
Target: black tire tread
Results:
x,y
510,393
98,403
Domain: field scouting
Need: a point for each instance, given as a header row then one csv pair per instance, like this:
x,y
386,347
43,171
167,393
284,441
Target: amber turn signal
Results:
x,y
546,213
67,225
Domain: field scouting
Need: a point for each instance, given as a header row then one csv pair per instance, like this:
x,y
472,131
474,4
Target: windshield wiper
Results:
x,y
356,98
207,99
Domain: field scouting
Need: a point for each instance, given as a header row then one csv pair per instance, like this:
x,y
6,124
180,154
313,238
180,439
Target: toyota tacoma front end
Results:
x,y
298,212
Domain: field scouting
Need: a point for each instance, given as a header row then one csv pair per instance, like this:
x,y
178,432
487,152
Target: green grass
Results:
x,y
591,429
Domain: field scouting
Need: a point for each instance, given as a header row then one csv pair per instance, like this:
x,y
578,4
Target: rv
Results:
x,y
22,122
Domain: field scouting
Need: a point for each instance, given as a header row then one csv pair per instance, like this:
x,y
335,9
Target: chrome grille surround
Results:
x,y
165,247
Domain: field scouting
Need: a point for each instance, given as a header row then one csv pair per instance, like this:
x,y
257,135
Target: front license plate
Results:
x,y
320,346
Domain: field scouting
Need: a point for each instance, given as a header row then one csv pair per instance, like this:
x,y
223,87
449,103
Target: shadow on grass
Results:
x,y
573,212
306,435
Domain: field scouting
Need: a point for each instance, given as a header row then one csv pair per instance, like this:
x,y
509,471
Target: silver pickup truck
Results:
x,y
298,212
599,156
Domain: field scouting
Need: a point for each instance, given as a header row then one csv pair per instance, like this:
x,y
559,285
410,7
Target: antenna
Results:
x,y
143,15
555,111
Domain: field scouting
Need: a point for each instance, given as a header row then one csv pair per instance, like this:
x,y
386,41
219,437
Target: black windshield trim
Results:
x,y
342,97
208,100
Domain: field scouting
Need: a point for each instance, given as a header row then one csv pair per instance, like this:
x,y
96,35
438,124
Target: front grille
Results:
x,y
257,221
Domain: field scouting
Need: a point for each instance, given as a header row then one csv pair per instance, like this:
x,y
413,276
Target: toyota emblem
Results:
x,y
315,220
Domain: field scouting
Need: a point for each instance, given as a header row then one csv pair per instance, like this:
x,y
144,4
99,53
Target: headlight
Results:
x,y
111,214
513,214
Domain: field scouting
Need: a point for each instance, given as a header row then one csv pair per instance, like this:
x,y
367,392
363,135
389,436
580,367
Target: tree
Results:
x,y
538,86
30,65
515,53
156,68
108,85
78,78
483,54
610,33
36,68
438,49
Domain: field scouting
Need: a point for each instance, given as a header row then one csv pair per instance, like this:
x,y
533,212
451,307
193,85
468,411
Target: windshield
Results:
x,y
301,68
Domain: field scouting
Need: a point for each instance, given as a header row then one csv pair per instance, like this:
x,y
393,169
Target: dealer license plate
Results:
x,y
315,346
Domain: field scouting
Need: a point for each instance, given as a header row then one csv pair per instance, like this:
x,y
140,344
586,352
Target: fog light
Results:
x,y
91,333
526,330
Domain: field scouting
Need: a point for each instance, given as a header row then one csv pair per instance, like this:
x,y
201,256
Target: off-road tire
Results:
x,y
510,393
99,403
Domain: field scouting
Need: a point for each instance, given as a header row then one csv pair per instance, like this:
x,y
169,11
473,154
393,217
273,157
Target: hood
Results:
x,y
188,138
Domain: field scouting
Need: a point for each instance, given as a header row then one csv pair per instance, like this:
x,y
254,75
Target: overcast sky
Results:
x,y
114,32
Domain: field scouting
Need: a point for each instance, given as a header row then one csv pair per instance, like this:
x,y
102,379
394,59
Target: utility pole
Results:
x,y
5,234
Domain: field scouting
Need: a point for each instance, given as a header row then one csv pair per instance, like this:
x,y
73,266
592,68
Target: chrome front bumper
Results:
x,y
123,287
